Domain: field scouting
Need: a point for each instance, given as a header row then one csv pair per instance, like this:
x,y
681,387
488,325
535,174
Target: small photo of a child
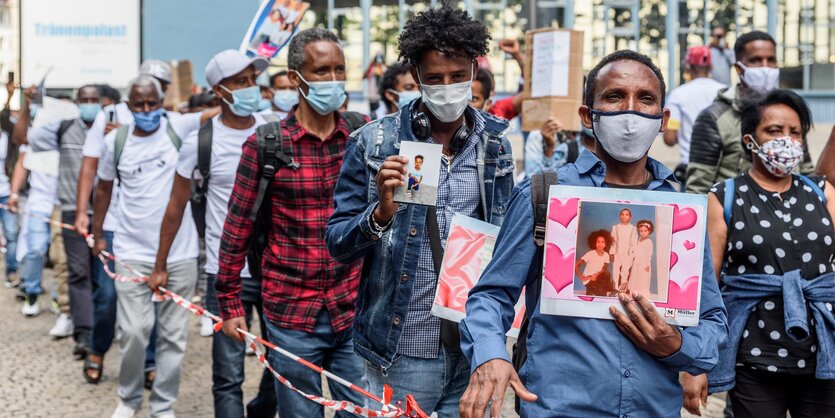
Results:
x,y
624,238
595,276
422,173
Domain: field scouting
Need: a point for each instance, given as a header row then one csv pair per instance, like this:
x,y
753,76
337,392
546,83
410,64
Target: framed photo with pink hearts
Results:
x,y
601,242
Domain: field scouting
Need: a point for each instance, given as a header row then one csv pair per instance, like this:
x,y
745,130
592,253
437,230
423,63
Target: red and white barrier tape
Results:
x,y
411,409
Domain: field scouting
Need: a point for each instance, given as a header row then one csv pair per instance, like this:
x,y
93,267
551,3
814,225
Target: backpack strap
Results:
x,y
63,127
204,150
273,153
728,201
118,147
815,188
540,185
172,135
573,151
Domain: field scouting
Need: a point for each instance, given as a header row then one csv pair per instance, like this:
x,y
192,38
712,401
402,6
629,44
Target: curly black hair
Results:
x,y
592,240
447,29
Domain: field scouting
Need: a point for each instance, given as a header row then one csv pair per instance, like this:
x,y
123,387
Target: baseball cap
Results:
x,y
160,70
698,56
230,62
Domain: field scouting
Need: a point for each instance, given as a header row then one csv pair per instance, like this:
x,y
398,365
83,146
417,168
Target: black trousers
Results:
x,y
79,261
762,394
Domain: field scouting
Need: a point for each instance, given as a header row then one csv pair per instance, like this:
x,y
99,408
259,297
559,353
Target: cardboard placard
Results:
x,y
182,80
553,77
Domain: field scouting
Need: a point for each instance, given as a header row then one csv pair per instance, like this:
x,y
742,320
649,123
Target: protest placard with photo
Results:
x,y
274,24
601,242
422,173
469,249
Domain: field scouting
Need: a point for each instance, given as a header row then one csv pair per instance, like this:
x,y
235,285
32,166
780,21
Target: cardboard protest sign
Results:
x,y
469,249
54,110
603,242
553,77
272,27
181,83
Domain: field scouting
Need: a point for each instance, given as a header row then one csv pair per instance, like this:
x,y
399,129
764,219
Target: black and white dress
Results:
x,y
774,233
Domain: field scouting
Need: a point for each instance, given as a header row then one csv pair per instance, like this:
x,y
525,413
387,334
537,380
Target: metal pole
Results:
x,y
468,6
771,5
707,22
401,13
636,25
606,23
330,14
672,41
365,6
532,14
568,12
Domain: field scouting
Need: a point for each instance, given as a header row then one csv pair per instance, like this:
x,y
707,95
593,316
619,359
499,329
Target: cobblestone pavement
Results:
x,y
39,377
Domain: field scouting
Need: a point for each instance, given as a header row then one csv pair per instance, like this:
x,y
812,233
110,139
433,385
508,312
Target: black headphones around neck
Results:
x,y
422,129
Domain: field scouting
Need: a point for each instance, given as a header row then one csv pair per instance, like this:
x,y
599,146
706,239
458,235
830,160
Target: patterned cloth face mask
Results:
x,y
779,156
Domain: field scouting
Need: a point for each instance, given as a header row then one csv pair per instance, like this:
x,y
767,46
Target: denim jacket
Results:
x,y
390,263
742,293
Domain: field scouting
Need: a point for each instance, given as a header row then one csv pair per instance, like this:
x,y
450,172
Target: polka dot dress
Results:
x,y
774,233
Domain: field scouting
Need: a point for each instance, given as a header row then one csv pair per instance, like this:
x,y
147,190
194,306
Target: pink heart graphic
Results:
x,y
689,245
563,212
683,297
559,267
683,219
673,259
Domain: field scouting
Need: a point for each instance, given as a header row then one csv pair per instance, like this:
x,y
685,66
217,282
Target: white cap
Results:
x,y
230,62
160,70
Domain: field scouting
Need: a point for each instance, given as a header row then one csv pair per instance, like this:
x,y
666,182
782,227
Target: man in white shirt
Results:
x,y
143,155
687,101
232,76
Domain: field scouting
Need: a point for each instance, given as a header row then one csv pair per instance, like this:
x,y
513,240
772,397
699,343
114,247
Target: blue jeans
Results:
x,y
37,241
228,364
9,220
437,384
334,351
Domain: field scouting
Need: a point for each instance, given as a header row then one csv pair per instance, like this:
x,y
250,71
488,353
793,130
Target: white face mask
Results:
x,y
447,101
625,135
763,79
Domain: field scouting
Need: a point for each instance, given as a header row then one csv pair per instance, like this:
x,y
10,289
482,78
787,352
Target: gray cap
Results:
x,y
160,70
230,62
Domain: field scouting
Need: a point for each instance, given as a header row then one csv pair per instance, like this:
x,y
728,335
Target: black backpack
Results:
x,y
274,153
540,185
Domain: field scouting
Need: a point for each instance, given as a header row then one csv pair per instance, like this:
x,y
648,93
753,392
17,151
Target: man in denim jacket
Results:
x,y
393,328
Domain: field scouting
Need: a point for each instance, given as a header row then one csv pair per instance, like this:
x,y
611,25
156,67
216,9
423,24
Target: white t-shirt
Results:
x,y
226,154
5,188
685,103
94,144
43,190
594,263
147,168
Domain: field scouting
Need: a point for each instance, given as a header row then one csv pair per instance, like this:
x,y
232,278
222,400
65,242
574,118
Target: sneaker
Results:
x,y
54,307
31,307
20,294
166,415
123,411
206,327
12,281
63,327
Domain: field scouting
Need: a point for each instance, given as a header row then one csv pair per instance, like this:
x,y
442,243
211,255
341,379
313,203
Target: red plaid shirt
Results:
x,y
299,276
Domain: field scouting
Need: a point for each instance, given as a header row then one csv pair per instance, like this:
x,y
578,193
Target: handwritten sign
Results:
x,y
549,72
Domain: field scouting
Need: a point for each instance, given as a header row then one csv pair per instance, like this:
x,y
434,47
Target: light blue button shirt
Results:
x,y
583,367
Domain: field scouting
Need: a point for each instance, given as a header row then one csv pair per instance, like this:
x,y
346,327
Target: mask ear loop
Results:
x,y
750,145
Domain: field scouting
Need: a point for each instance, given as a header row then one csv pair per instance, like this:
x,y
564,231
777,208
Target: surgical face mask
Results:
x,y
779,156
88,111
324,96
405,97
33,111
284,100
245,101
148,121
625,135
763,79
264,104
447,101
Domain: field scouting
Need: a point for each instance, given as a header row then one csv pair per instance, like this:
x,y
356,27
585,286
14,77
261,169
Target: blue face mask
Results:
x,y
33,111
148,121
405,97
245,101
88,111
324,96
284,100
264,104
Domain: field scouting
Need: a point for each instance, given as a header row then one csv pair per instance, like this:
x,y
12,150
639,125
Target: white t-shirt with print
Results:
x,y
226,154
146,167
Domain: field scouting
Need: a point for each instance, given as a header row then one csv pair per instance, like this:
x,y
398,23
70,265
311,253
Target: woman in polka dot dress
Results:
x,y
778,223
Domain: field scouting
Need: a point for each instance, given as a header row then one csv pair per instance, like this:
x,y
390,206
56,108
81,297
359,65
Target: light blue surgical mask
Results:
x,y
88,111
264,104
245,101
284,100
33,111
405,97
324,96
148,121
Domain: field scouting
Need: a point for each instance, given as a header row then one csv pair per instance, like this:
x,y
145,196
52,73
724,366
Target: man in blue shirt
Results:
x,y
578,366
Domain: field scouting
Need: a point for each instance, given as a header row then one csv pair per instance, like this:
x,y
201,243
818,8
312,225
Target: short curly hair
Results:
x,y
447,29
592,240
